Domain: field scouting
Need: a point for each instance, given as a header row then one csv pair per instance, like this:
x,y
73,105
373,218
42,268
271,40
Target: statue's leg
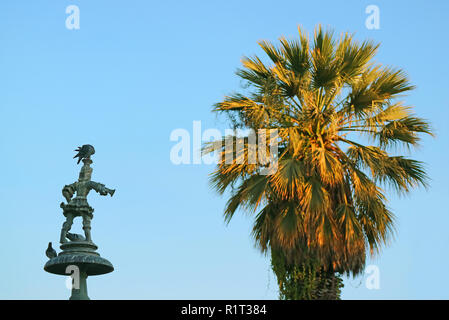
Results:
x,y
66,227
86,227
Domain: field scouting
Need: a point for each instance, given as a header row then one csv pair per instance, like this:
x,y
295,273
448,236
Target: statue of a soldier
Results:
x,y
78,206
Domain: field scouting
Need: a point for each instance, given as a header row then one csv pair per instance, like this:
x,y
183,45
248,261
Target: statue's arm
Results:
x,y
101,188
68,191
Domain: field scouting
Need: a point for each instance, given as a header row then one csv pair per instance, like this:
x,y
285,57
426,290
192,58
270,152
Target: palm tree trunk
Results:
x,y
305,281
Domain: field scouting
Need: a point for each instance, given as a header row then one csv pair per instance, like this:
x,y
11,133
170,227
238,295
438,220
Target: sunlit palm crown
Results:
x,y
337,117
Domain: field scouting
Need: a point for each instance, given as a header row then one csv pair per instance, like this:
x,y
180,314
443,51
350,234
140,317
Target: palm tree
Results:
x,y
340,131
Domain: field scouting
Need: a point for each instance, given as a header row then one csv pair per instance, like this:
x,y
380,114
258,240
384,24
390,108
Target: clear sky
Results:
x,y
137,70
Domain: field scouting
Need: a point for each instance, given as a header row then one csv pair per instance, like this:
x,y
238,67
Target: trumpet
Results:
x,y
110,191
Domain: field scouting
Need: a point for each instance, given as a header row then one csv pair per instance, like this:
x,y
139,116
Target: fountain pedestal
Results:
x,y
80,260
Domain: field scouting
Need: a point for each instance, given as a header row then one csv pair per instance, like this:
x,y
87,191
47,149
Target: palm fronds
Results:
x,y
326,98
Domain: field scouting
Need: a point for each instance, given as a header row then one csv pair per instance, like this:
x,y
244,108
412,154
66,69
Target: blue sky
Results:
x,y
137,70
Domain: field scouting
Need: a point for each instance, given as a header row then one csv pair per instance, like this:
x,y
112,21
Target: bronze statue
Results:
x,y
78,205
78,255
